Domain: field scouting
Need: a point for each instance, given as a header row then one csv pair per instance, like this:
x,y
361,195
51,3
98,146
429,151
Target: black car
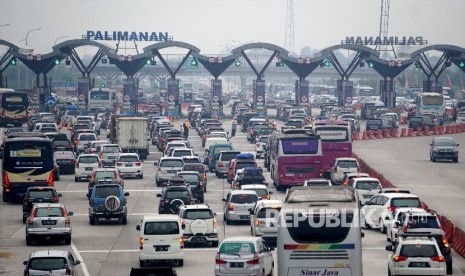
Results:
x,y
201,169
194,180
66,161
38,195
444,148
374,125
173,197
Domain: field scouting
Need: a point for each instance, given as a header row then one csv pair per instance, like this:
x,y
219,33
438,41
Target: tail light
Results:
x,y
141,243
267,197
437,259
204,176
220,165
99,164
6,180
119,164
230,207
138,164
445,242
405,229
257,223
255,260
70,147
398,258
55,199
391,209
218,260
50,180
181,242
31,217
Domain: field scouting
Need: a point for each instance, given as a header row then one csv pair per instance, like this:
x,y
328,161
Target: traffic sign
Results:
x,y
304,99
260,98
171,98
127,98
82,97
215,98
35,96
50,100
349,99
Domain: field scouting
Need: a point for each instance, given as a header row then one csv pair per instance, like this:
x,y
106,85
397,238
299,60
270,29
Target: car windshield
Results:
x,y
60,142
47,264
190,177
161,228
88,159
103,175
235,248
106,191
244,198
368,185
444,142
40,194
418,250
171,163
130,158
48,212
198,214
173,194
228,156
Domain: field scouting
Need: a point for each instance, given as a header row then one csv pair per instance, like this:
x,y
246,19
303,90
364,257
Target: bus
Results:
x,y
430,102
27,161
336,141
295,156
101,99
13,107
319,232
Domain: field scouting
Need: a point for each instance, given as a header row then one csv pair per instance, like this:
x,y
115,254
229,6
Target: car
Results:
x,y
374,125
444,148
191,160
416,255
129,165
104,176
181,152
260,146
341,166
378,210
167,167
213,153
82,141
51,262
92,145
66,161
50,221
215,140
412,222
108,154
108,201
174,144
201,169
365,188
264,220
244,256
260,189
199,223
61,143
392,227
241,161
160,239
38,195
317,182
237,204
222,164
194,180
349,176
173,197
85,165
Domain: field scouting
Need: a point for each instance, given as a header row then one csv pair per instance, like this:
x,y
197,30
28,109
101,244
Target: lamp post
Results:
x,y
60,37
30,31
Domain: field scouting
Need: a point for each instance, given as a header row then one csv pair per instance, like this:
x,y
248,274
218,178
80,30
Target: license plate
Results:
x,y
49,222
111,157
418,264
198,239
89,168
61,148
236,264
160,248
128,165
171,171
244,216
105,182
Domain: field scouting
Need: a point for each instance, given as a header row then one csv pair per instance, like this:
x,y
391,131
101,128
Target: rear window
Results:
x,y
173,194
102,175
87,137
190,177
171,163
220,149
406,202
40,194
88,159
228,156
194,167
268,213
161,228
237,248
418,250
106,191
419,221
302,230
259,192
198,214
180,153
347,164
300,146
47,264
244,198
368,185
191,160
241,165
129,159
111,149
60,142
49,212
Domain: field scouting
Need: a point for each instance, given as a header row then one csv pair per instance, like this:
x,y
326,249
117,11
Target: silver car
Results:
x,y
49,221
237,204
51,262
244,256
167,167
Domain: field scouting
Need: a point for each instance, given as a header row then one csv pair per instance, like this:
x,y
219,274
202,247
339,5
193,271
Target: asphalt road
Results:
x,y
112,249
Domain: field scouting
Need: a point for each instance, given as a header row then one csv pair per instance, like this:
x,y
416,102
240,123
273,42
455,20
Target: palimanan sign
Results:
x,y
388,40
127,36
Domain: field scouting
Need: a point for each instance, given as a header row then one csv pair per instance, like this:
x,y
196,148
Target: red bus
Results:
x,y
336,140
295,156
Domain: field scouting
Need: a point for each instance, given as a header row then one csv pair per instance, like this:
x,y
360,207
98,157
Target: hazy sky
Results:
x,y
213,24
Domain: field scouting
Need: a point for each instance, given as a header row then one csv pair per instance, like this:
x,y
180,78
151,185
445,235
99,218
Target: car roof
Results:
x,y
46,205
346,159
170,158
160,217
241,239
188,172
253,186
49,253
400,195
87,155
128,154
234,192
269,203
393,191
365,179
41,188
196,206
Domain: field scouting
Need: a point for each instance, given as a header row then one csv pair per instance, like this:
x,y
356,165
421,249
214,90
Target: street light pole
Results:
x,y
30,31
63,36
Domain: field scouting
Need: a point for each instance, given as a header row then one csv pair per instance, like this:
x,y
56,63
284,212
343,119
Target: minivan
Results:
x,y
160,239
213,154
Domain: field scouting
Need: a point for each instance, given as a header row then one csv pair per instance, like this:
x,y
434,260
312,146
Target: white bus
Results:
x,y
319,232
430,102
101,99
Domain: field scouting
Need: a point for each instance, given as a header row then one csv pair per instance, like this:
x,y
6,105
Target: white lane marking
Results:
x,y
373,248
79,257
130,214
137,250
81,191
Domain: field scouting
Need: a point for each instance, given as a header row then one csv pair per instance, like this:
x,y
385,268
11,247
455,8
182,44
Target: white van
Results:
x,y
161,239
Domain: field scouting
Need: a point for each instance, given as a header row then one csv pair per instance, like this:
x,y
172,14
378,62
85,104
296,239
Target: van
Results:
x,y
161,239
213,154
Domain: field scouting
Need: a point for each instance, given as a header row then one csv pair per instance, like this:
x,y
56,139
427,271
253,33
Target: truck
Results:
x,y
131,134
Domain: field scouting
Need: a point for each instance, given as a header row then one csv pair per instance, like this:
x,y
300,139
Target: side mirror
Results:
x,y
251,211
214,214
24,262
457,145
77,262
389,248
155,163
158,195
70,214
223,199
270,192
138,227
183,226
60,195
126,194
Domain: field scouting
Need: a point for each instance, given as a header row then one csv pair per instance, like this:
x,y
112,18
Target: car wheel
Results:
x,y
181,262
433,159
382,228
215,243
456,160
68,240
449,268
141,176
92,220
141,263
124,220
76,179
28,241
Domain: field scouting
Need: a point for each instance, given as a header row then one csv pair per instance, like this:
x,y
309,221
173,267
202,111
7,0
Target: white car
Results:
x,y
129,164
264,218
161,239
85,165
366,188
215,140
200,224
392,227
260,146
341,166
460,117
416,256
181,152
